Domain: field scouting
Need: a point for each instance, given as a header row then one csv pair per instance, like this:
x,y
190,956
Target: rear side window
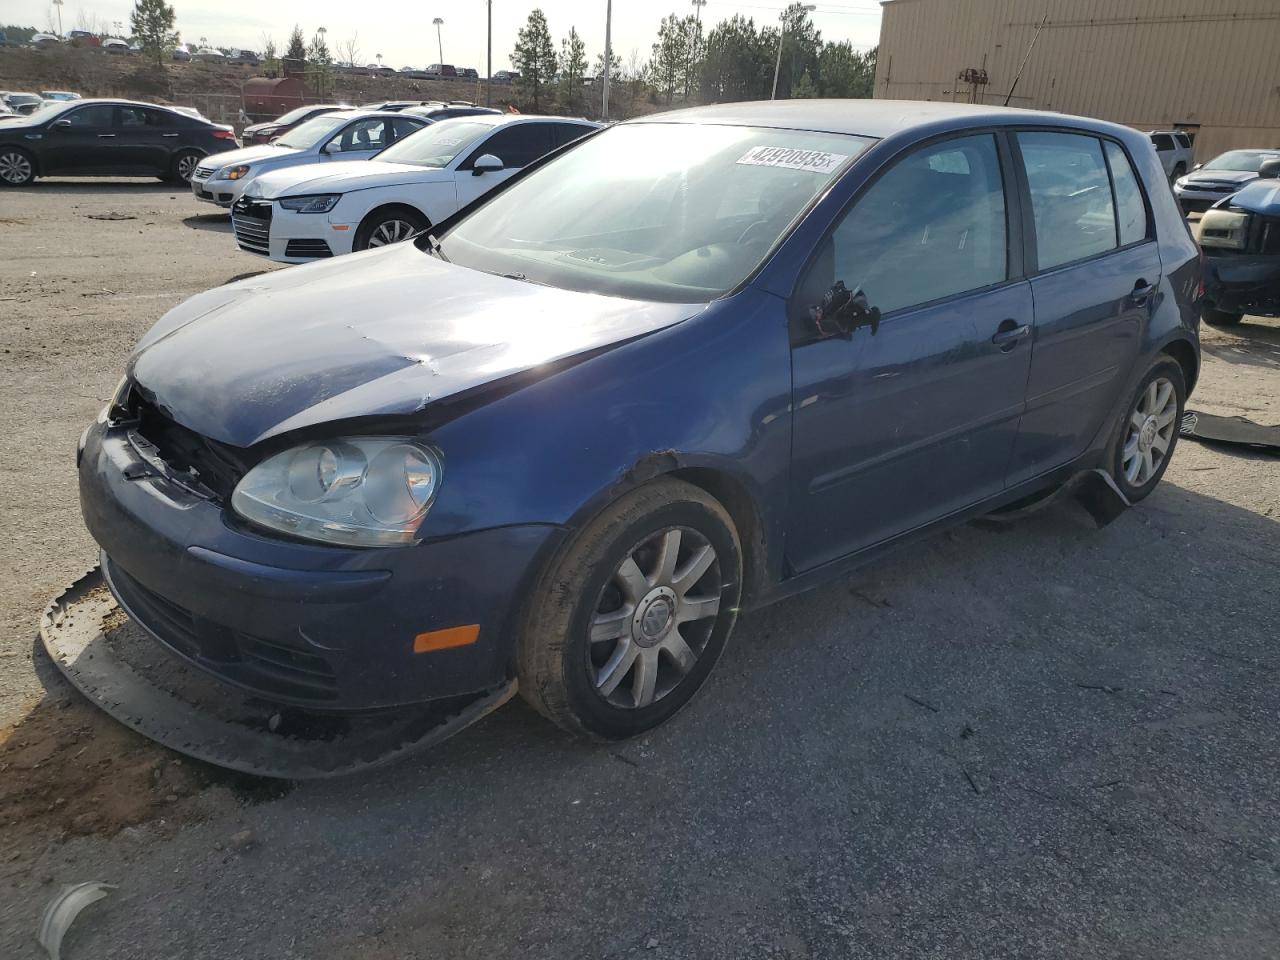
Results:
x,y
569,132
1162,141
403,126
1184,141
1131,210
139,118
1070,196
933,226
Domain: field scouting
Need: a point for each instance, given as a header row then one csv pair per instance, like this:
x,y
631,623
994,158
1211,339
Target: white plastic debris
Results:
x,y
63,910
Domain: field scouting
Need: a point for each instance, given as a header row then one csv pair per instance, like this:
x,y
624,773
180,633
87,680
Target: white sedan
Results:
x,y
305,213
342,135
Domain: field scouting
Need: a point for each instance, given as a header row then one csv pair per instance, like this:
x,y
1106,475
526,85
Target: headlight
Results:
x,y
356,491
232,173
320,203
1224,229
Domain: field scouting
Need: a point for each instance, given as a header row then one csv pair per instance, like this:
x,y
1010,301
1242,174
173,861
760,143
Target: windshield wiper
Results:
x,y
433,247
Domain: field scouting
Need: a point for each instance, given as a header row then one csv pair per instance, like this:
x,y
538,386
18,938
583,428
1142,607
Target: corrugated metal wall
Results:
x,y
1147,63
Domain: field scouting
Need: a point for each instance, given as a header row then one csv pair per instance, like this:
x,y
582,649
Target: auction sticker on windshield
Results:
x,y
817,161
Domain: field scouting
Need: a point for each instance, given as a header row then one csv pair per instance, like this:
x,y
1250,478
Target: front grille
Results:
x,y
215,467
251,221
204,173
307,248
1214,187
270,667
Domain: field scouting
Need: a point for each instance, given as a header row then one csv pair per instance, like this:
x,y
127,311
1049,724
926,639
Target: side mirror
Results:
x,y
486,163
1270,170
331,147
62,123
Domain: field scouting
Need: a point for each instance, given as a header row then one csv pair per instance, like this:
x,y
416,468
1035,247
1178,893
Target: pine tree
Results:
x,y
297,46
152,22
573,67
535,58
319,66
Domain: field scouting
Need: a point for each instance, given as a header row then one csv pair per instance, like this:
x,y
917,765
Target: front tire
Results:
x,y
630,618
387,226
1148,434
1220,318
17,167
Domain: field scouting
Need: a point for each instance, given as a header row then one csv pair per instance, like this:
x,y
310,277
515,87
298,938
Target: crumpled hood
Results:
x,y
1261,196
1219,176
382,332
340,177
250,155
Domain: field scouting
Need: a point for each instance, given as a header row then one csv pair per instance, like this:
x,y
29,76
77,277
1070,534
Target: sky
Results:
x,y
401,30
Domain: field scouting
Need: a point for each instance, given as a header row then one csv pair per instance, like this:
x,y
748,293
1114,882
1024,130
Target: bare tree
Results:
x,y
349,50
91,23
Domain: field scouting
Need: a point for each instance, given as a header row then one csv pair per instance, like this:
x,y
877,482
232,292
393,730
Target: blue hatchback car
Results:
x,y
688,365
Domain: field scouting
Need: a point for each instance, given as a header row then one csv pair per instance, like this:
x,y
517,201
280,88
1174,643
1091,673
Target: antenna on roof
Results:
x,y
1018,76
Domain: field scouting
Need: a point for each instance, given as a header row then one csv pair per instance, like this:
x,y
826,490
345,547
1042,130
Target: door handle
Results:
x,y
1007,337
169,134
1142,292
106,136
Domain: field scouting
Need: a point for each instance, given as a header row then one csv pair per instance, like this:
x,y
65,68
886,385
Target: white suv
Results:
x,y
305,213
1174,149
344,135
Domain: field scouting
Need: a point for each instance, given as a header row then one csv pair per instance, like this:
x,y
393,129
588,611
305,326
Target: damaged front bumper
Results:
x,y
1243,282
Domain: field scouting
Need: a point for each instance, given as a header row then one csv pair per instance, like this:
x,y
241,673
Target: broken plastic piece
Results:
x,y
1235,430
63,910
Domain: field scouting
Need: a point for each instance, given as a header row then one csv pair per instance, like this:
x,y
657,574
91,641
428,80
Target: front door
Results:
x,y
1098,278
358,140
82,141
911,347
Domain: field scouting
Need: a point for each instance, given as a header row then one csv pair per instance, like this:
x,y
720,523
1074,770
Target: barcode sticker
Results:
x,y
815,161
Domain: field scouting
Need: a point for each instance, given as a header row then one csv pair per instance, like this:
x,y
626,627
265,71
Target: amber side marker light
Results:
x,y
446,639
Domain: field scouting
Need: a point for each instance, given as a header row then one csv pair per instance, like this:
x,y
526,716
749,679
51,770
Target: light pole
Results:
x,y
488,70
58,4
693,47
608,55
439,43
782,32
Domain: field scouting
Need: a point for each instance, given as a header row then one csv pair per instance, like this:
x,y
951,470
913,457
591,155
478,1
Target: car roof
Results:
x,y
360,114
498,119
866,118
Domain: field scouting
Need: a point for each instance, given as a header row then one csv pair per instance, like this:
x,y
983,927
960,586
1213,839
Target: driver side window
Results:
x,y
932,226
98,116
363,135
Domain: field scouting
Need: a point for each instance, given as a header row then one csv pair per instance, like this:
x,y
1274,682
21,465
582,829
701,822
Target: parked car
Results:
x,y
84,38
7,112
506,76
24,103
448,111
442,70
1240,237
115,45
112,138
1220,177
468,73
394,106
210,55
270,129
695,363
59,95
1175,151
181,54
244,57
316,211
44,41
380,71
328,138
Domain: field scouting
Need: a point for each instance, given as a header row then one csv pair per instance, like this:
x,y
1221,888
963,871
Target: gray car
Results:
x,y
1220,178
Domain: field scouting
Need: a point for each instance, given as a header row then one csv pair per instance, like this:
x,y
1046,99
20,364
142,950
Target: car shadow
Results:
x,y
1254,342
213,222
97,187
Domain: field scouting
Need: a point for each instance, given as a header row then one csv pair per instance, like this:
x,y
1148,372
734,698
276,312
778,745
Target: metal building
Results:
x,y
1208,66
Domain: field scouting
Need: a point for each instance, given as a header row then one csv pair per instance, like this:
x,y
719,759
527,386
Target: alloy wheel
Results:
x,y
1150,432
15,168
391,231
654,618
187,165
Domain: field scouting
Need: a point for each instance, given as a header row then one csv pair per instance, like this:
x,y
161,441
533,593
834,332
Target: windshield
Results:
x,y
312,132
436,145
1243,161
656,211
293,116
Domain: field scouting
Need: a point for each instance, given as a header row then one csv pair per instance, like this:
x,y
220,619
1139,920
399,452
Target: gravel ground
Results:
x,y
1041,740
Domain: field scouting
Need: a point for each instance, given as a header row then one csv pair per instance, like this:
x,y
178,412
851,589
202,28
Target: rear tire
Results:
x,y
389,225
630,618
17,167
1148,433
1220,318
183,166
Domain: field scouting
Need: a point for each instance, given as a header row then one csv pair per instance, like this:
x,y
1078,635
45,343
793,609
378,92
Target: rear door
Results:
x,y
82,141
1096,278
912,414
515,144
143,139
